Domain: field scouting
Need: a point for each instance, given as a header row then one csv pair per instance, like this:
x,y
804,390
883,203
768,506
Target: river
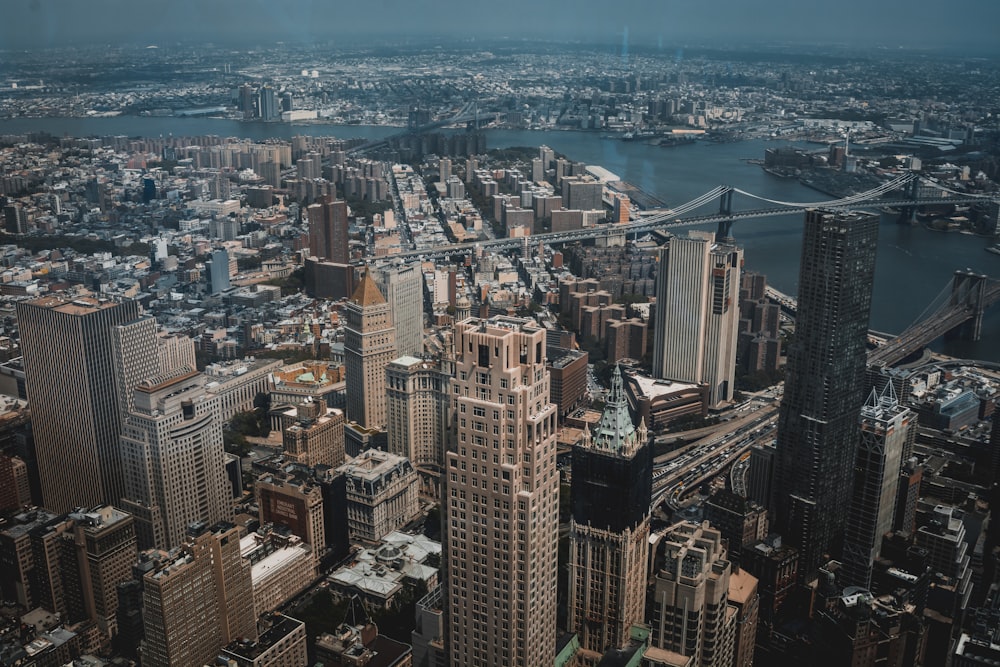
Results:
x,y
914,264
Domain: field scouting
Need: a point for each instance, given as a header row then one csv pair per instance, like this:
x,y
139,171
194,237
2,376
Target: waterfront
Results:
x,y
914,264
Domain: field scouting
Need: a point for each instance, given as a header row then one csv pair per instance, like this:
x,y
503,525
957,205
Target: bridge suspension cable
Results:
x,y
938,304
938,186
861,196
691,205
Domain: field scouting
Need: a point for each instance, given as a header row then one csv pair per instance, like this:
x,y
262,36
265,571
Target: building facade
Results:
x,y
502,488
697,314
824,389
609,528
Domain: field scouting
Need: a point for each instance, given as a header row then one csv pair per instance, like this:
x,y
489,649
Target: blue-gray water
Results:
x,y
914,264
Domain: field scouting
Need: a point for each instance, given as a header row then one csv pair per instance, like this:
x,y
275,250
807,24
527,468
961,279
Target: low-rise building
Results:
x,y
281,642
380,574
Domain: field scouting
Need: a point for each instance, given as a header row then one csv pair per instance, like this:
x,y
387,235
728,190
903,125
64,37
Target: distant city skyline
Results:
x,y
31,24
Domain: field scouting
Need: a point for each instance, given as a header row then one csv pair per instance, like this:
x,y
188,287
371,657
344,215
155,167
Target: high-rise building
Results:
x,y
217,268
582,194
824,390
268,104
943,536
697,314
886,426
17,564
745,599
199,599
369,346
688,604
417,402
69,359
174,351
247,101
776,567
403,287
502,488
609,529
174,459
328,225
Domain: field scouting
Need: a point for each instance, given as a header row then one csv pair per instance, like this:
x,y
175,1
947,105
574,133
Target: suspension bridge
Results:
x,y
957,310
659,220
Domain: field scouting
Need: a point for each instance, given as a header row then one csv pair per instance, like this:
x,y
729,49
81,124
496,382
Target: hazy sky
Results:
x,y
889,23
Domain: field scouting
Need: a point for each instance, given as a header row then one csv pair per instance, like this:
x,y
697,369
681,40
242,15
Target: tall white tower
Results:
x,y
697,314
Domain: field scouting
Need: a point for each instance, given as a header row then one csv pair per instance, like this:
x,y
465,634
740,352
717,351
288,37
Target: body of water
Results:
x,y
914,264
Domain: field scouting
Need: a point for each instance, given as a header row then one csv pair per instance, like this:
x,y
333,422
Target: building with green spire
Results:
x,y
609,529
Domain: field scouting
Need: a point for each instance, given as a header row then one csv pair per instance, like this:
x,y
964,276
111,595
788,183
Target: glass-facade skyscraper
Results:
x,y
825,386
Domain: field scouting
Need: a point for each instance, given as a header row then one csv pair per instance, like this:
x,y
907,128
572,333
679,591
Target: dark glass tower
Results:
x,y
825,388
609,532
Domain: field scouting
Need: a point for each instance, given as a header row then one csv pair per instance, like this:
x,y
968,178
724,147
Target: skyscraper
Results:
x,y
886,429
403,287
369,346
609,529
328,230
697,314
174,460
501,515
69,362
824,389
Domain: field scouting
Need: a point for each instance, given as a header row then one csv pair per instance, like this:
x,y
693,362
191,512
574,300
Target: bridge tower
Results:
x,y
969,289
908,214
724,234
